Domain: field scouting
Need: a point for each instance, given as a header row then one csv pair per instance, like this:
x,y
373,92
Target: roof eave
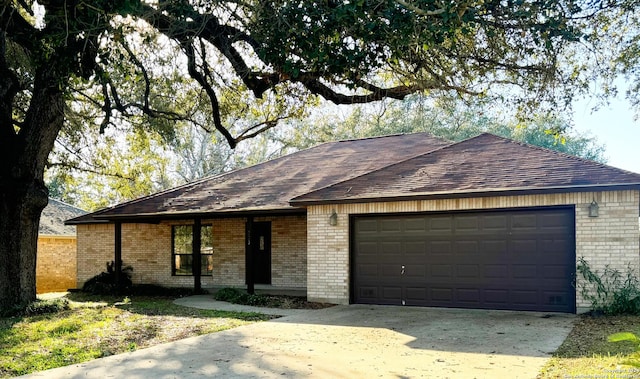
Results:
x,y
168,216
467,194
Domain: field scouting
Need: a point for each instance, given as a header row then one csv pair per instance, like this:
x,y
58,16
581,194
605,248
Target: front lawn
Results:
x,y
586,353
100,326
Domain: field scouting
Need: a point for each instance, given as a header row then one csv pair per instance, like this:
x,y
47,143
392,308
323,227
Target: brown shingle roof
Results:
x,y
270,186
485,165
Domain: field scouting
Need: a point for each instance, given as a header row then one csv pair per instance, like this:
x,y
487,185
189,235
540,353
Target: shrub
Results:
x,y
255,300
610,292
236,296
228,294
105,282
41,307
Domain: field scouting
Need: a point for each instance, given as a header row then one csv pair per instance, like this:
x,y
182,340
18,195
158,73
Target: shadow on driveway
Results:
x,y
356,341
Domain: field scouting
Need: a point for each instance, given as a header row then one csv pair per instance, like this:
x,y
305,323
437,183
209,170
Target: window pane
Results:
x,y
206,239
183,265
183,249
207,265
182,238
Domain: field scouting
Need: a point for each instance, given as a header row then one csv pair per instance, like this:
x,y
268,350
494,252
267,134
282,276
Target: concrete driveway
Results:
x,y
355,341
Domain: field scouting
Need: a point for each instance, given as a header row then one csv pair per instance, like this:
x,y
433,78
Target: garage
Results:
x,y
515,259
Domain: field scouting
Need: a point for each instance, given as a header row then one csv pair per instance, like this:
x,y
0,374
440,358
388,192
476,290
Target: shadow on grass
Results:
x,y
158,305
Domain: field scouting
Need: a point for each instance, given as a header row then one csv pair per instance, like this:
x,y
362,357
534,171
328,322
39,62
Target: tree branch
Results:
x,y
89,170
213,99
315,86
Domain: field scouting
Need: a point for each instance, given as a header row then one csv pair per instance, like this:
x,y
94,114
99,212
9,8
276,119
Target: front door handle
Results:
x,y
402,272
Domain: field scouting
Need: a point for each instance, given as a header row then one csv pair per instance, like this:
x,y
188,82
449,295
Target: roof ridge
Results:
x,y
67,204
385,167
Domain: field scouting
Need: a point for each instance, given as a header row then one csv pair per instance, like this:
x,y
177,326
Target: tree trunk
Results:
x,y
20,207
24,149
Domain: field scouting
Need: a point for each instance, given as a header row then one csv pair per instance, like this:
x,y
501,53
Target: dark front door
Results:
x,y
261,252
515,259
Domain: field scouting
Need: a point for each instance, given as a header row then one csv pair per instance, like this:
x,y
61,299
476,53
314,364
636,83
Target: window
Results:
x,y
182,251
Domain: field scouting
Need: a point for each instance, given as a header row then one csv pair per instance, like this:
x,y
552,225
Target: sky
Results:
x,y
614,127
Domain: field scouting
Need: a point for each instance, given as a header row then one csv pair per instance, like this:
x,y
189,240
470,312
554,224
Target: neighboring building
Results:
x,y
408,219
56,265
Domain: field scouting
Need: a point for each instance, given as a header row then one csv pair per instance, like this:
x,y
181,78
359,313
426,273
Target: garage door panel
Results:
x,y
554,222
550,272
367,247
528,298
470,296
554,246
496,223
415,247
414,272
391,293
390,270
440,270
496,298
390,226
524,271
526,247
466,271
494,247
521,259
440,224
368,293
462,247
465,224
441,294
416,295
496,271
367,226
524,223
415,225
368,270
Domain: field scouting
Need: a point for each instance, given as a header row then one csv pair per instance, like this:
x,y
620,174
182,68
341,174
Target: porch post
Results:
x,y
249,256
197,257
117,259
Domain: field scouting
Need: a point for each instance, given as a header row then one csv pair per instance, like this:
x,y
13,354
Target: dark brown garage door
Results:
x,y
515,259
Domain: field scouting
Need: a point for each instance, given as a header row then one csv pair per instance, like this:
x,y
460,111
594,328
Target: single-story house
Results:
x,y
405,219
56,261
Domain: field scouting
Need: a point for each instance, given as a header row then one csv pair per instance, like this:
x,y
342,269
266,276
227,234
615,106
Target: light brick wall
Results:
x,y
56,263
95,249
288,251
612,238
147,248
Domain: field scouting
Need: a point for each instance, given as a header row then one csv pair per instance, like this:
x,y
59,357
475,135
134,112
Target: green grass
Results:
x,y
586,353
101,326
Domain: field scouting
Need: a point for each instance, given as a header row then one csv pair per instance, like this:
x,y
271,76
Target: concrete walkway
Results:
x,y
355,341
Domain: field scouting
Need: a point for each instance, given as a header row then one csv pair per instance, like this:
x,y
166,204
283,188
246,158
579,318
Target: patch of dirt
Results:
x,y
589,336
291,302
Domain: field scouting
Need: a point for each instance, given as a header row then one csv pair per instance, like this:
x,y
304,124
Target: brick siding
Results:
x,y
147,249
610,239
56,263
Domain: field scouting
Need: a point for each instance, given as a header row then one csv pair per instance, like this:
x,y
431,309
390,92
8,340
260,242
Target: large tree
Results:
x,y
127,61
